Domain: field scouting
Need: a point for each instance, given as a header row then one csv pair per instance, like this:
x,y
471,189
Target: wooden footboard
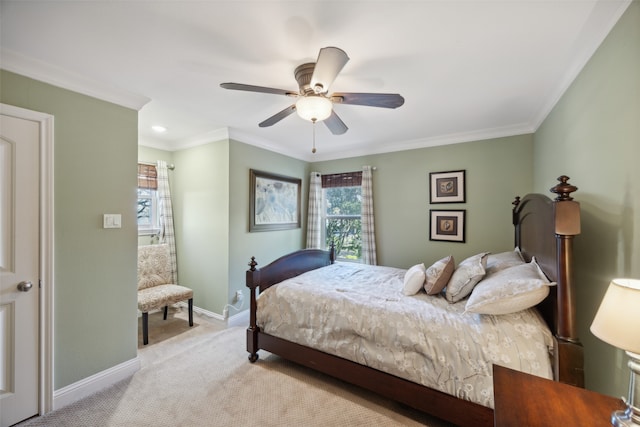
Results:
x,y
544,229
285,267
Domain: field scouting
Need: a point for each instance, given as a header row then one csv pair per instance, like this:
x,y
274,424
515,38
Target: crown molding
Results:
x,y
358,150
47,73
216,135
590,44
265,144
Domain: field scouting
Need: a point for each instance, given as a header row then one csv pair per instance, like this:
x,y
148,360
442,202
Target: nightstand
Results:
x,y
527,400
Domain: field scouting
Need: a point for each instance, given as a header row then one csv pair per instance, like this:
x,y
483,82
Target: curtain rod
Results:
x,y
170,166
373,168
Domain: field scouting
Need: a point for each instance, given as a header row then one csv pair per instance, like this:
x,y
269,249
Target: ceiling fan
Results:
x,y
313,101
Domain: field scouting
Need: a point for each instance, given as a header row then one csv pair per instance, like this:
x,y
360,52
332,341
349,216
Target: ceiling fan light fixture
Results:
x,y
314,108
314,101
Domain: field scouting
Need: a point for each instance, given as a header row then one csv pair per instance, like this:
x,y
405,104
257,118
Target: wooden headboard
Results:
x,y
545,229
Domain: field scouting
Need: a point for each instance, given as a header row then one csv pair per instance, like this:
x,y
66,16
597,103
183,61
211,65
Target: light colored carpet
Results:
x,y
200,376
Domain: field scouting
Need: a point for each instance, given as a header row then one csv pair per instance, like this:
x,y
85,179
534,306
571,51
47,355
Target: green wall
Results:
x,y
95,154
267,245
201,218
210,192
593,135
200,195
152,155
401,196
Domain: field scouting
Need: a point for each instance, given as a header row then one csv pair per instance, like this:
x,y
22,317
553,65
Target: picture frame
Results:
x,y
447,187
274,201
447,225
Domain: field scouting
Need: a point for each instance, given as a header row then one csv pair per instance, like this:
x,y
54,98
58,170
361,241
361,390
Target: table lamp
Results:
x,y
617,322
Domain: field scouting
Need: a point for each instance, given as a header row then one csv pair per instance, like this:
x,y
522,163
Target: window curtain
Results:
x,y
314,215
165,210
368,229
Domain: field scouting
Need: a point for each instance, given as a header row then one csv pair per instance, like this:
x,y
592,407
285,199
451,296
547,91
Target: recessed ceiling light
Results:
x,y
159,129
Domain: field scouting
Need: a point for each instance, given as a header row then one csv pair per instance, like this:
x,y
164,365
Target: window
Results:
x,y
148,219
342,207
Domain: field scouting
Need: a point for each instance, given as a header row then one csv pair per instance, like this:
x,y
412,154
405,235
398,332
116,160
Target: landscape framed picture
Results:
x,y
274,201
447,225
447,187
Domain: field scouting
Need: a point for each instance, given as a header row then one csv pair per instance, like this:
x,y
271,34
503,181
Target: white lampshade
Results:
x,y
617,321
314,107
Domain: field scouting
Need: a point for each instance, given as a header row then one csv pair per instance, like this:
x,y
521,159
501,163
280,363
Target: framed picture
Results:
x,y
446,187
447,225
274,202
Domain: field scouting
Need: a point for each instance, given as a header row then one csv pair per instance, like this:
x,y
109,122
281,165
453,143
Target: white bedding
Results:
x,y
359,312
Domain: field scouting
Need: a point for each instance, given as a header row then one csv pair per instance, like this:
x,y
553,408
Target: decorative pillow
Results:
x,y
438,275
510,290
414,279
502,260
465,276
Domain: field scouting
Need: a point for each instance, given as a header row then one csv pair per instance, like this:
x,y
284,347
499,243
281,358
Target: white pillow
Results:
x,y
510,290
414,279
502,260
466,275
438,275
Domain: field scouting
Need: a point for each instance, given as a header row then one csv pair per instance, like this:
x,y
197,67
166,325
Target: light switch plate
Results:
x,y
112,221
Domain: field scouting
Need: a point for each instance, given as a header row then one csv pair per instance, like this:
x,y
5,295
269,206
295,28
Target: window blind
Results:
x,y
345,179
147,176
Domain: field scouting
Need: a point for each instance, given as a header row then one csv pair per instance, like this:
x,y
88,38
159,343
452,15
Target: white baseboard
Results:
x,y
201,311
87,386
240,319
204,312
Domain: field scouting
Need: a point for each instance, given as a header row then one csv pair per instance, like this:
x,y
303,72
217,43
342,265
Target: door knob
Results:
x,y
25,286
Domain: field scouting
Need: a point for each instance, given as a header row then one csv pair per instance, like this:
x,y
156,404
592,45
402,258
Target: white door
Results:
x,y
19,268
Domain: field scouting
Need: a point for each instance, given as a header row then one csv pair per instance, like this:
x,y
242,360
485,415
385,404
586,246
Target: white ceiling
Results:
x,y
468,70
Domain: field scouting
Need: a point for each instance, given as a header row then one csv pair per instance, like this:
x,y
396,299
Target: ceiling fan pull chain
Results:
x,y
313,150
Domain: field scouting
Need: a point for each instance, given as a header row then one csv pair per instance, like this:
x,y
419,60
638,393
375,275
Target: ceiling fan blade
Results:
x,y
384,100
335,124
278,116
330,62
261,89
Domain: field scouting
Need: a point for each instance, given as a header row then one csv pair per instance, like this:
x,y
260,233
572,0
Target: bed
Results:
x,y
544,230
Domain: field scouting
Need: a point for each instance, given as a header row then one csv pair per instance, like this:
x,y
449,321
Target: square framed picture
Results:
x,y
447,187
447,226
274,201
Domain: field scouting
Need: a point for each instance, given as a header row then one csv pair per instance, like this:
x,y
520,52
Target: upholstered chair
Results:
x,y
155,287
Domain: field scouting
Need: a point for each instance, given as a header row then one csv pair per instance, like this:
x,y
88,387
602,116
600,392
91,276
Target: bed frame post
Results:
x,y
569,356
515,220
252,281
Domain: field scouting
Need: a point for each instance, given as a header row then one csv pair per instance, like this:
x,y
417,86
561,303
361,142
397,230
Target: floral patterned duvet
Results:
x,y
359,312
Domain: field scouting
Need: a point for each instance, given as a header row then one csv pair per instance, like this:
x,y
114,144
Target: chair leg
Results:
x,y
166,310
145,328
190,311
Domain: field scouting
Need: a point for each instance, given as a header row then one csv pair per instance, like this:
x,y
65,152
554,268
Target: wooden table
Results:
x,y
527,400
